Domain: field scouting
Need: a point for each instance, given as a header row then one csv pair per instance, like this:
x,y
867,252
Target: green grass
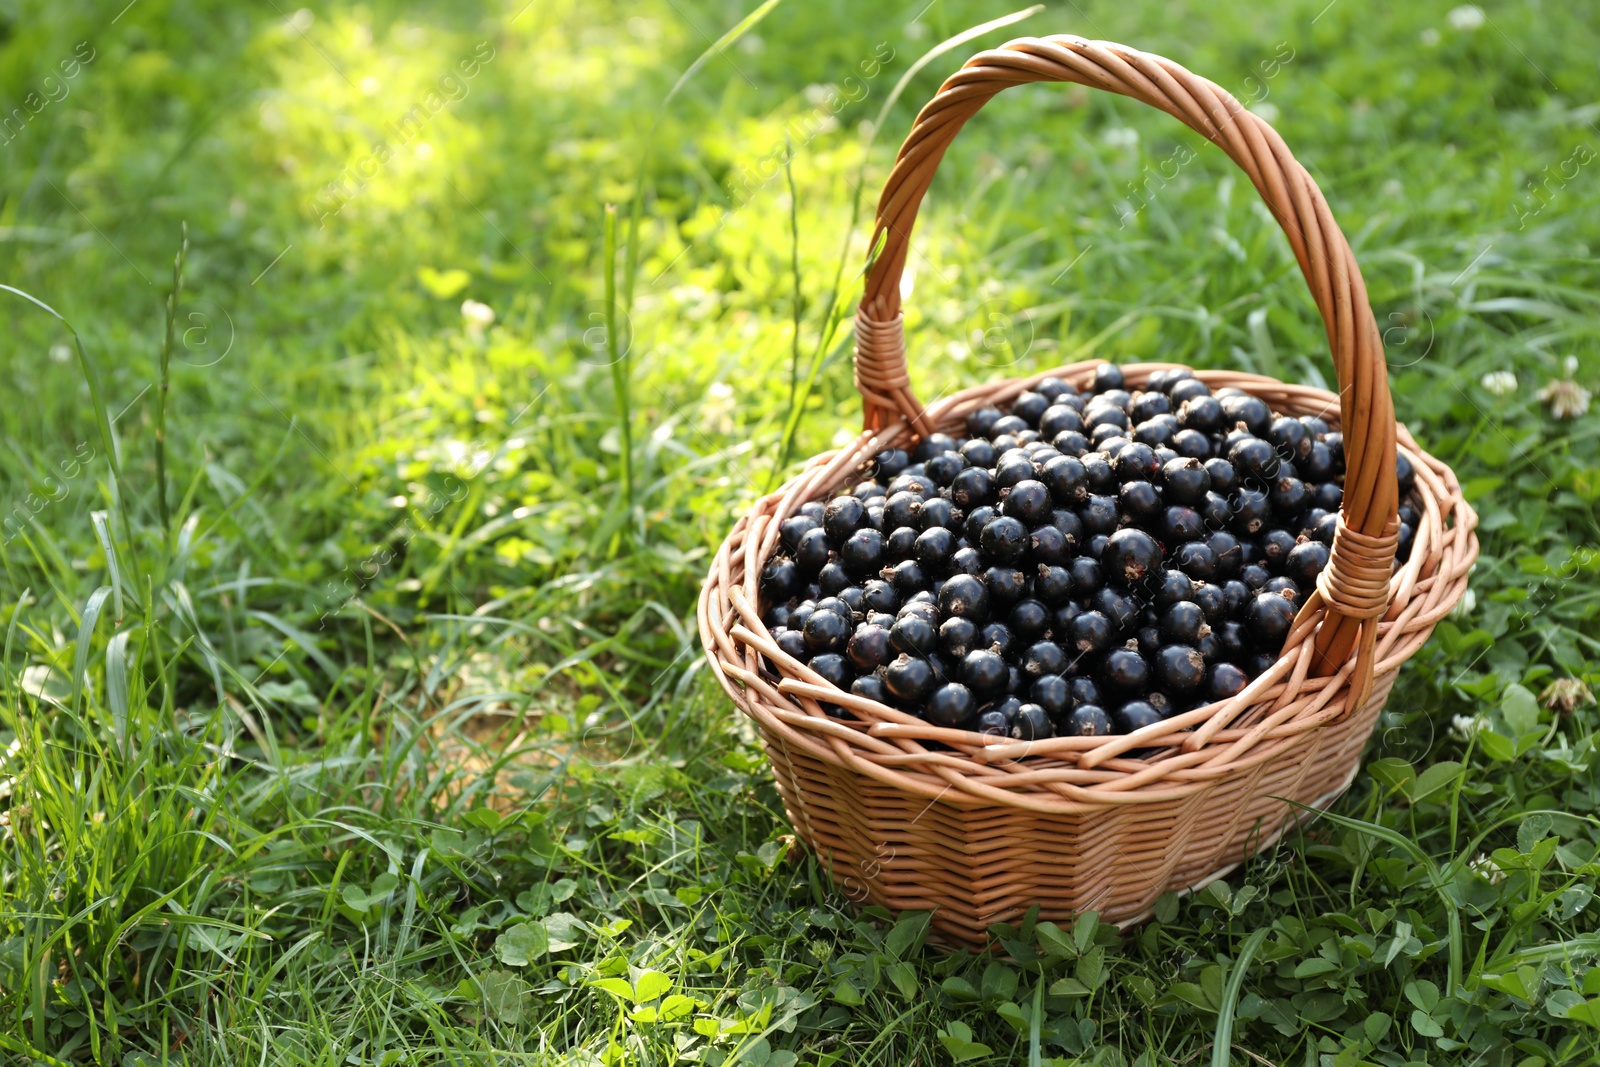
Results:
x,y
354,713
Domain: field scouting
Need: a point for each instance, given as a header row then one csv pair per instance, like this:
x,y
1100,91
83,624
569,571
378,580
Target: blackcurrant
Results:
x,y
1130,556
868,648
951,705
984,672
909,679
1032,724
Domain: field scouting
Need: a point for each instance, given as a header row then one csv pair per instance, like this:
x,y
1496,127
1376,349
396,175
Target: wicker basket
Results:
x,y
978,830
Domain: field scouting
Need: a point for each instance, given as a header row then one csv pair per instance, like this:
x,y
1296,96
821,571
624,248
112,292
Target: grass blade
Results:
x,y
80,654
117,688
102,533
619,360
165,380
1222,1043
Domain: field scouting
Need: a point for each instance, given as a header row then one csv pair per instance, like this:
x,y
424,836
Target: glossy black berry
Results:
x,y
1107,376
863,552
1052,693
1124,671
879,595
1091,632
1255,460
951,706
1032,724
793,643
1134,715
826,631
998,637
1171,587
913,634
1225,680
1250,410
1028,619
1268,619
1182,622
907,578
1086,720
909,679
1006,586
868,648
985,672
1180,669
833,668
1004,540
1276,544
933,549
1130,556
963,595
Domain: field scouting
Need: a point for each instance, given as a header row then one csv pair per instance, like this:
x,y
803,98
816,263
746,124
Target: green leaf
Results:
x,y
1422,994
1313,967
1090,969
1055,941
677,1007
846,993
1532,831
1012,1014
1424,1024
1520,709
1376,1026
999,982
565,930
1190,993
907,934
617,987
503,995
904,978
1071,987
1083,930
484,819
959,988
1434,779
1496,747
650,985
1392,772
957,1041
1587,1013
521,944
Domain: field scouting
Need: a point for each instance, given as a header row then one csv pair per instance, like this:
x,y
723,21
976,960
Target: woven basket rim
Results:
x,y
1218,740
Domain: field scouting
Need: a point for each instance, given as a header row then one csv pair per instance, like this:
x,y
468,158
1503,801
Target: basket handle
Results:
x,y
1355,585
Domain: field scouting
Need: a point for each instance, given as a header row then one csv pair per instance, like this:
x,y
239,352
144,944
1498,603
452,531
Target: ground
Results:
x,y
353,709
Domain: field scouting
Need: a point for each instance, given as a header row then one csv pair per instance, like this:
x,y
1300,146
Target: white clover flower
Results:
x,y
1466,18
477,316
1430,38
1564,396
61,352
1499,382
1487,869
1121,137
1465,606
1464,726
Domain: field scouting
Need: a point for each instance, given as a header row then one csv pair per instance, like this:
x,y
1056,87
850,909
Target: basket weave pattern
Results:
x,y
978,830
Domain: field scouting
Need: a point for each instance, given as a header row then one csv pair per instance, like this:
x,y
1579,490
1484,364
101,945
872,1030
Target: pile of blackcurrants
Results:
x,y
1082,565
